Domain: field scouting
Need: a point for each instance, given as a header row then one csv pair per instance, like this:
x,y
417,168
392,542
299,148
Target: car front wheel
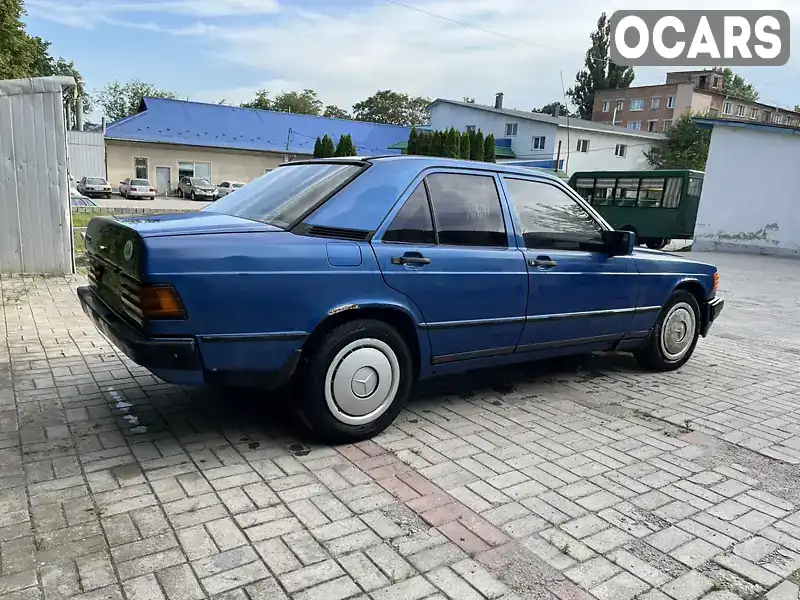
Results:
x,y
355,381
674,336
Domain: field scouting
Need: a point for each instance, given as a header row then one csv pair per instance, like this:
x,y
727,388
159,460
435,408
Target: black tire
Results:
x,y
310,381
657,243
123,194
192,196
653,354
180,193
108,196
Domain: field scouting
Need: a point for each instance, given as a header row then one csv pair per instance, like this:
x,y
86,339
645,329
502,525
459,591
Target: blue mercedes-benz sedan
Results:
x,y
352,278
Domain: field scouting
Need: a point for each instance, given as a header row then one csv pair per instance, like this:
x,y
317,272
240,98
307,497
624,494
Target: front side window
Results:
x,y
467,210
285,194
413,224
549,217
585,188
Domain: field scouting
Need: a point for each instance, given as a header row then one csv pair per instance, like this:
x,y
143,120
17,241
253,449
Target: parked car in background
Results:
x,y
197,187
137,188
94,187
226,187
354,277
78,199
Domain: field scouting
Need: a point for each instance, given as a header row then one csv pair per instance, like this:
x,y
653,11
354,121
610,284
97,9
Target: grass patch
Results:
x,y
81,219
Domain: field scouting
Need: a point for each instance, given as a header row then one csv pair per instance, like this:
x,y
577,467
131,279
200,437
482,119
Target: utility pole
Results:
x,y
558,157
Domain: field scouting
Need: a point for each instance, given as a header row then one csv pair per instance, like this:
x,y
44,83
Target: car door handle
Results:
x,y
410,260
542,262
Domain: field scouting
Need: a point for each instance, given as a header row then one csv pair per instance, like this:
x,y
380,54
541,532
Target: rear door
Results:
x,y
447,248
576,295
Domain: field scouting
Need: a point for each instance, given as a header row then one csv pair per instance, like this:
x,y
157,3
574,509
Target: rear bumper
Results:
x,y
712,309
157,354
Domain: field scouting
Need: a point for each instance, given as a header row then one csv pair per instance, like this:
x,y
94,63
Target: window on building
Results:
x,y
776,118
715,82
537,142
670,101
636,125
413,224
194,169
740,110
583,145
637,104
606,106
620,104
655,103
549,217
621,150
651,125
140,167
470,128
467,210
667,124
511,128
766,116
754,113
727,108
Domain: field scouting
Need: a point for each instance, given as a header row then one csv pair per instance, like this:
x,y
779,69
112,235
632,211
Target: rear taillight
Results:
x,y
716,282
152,189
151,302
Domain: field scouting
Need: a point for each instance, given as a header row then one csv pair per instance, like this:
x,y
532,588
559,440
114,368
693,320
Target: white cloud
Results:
x,y
349,52
84,12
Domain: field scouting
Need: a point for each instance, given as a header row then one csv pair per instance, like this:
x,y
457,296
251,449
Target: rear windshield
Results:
x,y
96,181
140,182
281,196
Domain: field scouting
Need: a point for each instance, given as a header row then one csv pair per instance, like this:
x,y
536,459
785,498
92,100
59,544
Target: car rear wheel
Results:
x,y
355,381
180,193
674,336
192,196
657,243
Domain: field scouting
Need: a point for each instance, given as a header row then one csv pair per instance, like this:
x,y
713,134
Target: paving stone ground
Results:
x,y
578,479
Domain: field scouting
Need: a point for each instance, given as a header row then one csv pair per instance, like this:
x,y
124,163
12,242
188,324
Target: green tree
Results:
x,y
302,103
328,147
413,138
20,54
600,73
735,85
119,100
686,147
476,147
318,148
334,112
488,148
550,109
261,101
423,144
465,151
345,147
797,108
437,143
393,108
351,146
451,144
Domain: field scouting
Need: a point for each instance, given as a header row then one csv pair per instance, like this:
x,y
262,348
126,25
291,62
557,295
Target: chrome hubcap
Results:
x,y
362,381
677,332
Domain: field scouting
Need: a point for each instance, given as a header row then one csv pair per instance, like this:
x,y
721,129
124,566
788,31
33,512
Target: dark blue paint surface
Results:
x,y
254,292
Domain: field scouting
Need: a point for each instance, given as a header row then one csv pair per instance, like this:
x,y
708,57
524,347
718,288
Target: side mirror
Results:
x,y
619,243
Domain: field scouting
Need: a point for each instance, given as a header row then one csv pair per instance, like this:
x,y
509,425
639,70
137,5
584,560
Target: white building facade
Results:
x,y
541,140
746,204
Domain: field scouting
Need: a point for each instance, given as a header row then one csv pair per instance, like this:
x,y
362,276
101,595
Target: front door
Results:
x,y
447,249
576,296
163,183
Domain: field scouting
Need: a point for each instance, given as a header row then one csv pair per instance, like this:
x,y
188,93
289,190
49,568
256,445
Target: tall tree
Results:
x,y
488,148
413,138
600,73
303,103
334,112
466,145
477,146
119,100
393,108
686,147
21,55
318,148
736,86
550,109
328,147
345,147
262,101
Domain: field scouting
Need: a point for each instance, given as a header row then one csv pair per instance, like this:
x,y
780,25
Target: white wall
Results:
x,y
445,116
748,202
601,155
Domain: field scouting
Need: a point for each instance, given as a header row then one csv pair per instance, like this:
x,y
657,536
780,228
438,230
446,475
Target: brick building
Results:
x,y
655,107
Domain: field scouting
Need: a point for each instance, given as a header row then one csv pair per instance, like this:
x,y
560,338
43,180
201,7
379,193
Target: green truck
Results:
x,y
656,205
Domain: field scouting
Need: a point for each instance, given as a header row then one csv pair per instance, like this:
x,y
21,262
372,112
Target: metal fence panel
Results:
x,y
86,151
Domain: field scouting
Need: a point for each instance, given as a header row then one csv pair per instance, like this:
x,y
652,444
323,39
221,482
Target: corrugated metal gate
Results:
x,y
86,151
35,216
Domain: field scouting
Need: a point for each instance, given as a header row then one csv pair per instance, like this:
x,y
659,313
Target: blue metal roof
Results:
x,y
710,123
219,126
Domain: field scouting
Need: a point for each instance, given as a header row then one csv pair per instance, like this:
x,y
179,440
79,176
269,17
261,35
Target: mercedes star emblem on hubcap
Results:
x,y
364,382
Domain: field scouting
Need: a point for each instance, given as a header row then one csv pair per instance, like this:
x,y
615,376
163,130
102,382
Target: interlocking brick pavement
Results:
x,y
570,480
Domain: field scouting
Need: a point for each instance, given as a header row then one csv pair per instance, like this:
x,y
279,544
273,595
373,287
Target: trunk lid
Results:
x,y
191,223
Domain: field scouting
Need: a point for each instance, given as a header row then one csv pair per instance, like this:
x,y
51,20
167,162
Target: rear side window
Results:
x,y
467,210
413,224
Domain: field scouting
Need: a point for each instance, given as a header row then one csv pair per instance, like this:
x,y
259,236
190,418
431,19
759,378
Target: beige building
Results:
x,y
167,140
656,107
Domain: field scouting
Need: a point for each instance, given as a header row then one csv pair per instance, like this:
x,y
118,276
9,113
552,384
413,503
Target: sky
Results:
x,y
346,50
